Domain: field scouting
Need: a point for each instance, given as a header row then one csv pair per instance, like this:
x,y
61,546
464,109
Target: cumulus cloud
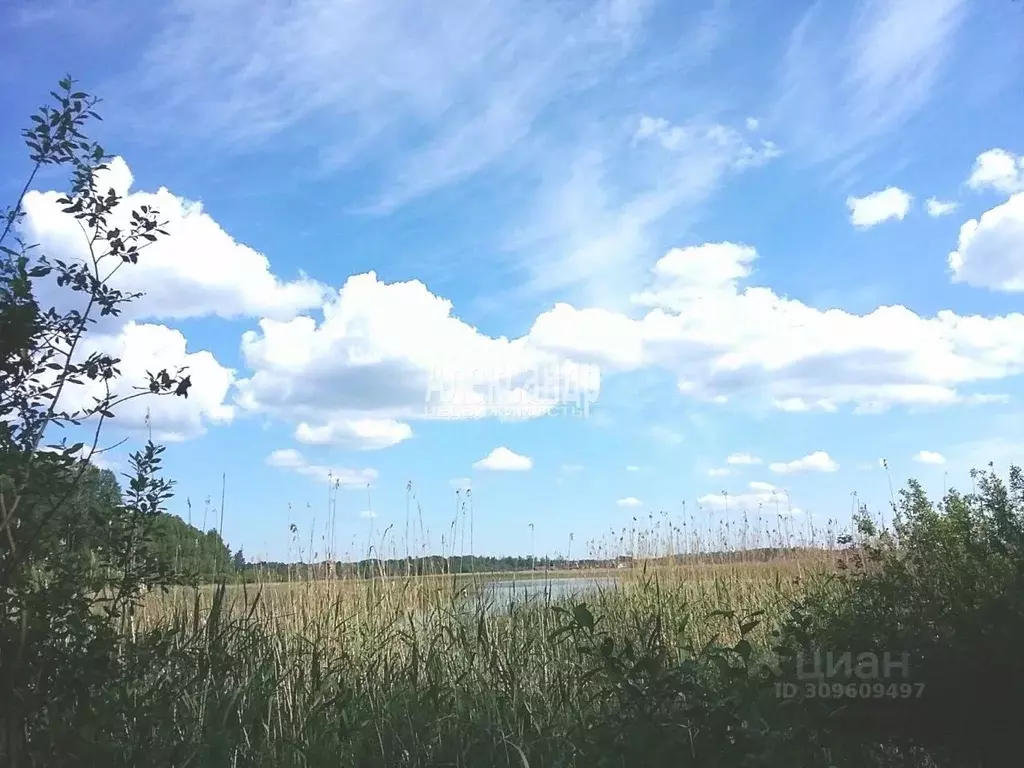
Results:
x,y
145,348
990,252
502,459
889,203
197,270
819,461
938,207
999,170
929,457
757,495
723,339
629,501
385,353
379,355
355,434
742,459
289,458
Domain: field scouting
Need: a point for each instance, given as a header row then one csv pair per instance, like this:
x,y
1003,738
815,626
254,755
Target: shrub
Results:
x,y
944,594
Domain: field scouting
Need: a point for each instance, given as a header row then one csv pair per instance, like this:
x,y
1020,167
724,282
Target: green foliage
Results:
x,y
74,560
193,556
945,588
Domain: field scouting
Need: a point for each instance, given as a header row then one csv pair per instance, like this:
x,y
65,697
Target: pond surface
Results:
x,y
507,590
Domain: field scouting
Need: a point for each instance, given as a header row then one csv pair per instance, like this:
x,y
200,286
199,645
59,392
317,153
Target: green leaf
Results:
x,y
583,616
744,649
747,626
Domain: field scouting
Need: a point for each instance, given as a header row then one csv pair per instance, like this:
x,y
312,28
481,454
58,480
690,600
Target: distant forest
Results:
x,y
197,556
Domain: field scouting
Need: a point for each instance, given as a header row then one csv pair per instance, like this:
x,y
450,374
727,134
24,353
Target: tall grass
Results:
x,y
420,671
434,669
674,661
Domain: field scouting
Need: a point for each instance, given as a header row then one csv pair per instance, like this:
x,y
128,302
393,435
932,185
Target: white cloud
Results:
x,y
629,501
385,353
938,207
999,170
356,434
758,495
819,461
719,472
461,483
752,123
851,78
986,398
742,459
696,271
929,457
632,468
501,459
289,458
736,151
665,435
445,93
368,514
889,203
143,348
197,270
590,233
723,340
990,252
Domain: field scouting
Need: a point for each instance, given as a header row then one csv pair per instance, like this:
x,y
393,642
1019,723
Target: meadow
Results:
x,y
433,670
677,662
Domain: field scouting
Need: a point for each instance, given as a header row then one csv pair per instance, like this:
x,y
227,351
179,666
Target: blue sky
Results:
x,y
795,234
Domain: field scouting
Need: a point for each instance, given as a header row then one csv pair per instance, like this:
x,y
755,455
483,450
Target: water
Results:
x,y
501,593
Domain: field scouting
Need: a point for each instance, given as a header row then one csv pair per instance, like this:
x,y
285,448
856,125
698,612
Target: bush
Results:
x,y
944,594
74,556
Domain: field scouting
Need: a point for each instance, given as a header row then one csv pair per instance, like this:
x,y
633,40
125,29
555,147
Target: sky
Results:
x,y
593,260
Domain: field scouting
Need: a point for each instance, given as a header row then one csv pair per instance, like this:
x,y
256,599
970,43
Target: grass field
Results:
x,y
430,671
675,660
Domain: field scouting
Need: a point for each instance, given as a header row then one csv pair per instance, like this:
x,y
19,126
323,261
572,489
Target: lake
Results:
x,y
508,590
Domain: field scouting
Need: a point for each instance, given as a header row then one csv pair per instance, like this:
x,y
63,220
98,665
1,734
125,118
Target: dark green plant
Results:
x,y
72,565
941,597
